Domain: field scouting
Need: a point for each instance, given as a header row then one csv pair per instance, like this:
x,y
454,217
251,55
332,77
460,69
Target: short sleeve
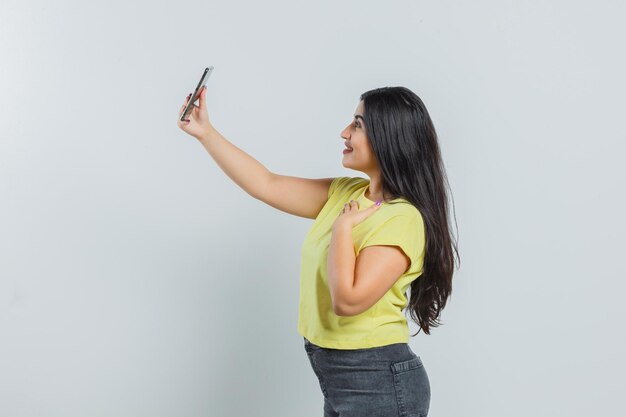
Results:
x,y
405,231
337,184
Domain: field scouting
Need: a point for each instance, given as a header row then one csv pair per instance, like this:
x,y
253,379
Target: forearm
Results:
x,y
244,170
340,267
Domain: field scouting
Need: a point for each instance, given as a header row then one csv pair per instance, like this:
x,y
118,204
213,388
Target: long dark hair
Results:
x,y
406,148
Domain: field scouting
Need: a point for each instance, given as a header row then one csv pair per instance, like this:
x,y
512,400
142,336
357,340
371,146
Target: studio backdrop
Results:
x,y
137,279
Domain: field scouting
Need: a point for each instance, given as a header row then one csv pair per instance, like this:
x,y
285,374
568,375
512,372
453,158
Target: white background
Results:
x,y
136,279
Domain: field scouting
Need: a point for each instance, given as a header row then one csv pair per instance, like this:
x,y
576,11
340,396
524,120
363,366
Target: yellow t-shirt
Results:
x,y
396,222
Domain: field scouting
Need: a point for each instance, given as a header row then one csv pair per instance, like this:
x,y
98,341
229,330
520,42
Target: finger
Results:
x,y
202,98
191,108
184,105
184,121
194,105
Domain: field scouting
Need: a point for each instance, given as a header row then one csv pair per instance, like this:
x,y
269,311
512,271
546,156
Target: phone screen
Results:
x,y
205,75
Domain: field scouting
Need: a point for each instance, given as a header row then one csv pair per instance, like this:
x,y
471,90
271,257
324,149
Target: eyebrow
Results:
x,y
358,116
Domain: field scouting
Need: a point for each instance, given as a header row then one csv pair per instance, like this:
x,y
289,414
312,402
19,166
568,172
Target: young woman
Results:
x,y
371,241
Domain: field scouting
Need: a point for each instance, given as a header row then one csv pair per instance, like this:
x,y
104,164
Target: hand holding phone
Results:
x,y
194,119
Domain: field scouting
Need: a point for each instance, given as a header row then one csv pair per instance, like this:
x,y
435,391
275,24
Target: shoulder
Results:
x,y
342,185
403,209
398,224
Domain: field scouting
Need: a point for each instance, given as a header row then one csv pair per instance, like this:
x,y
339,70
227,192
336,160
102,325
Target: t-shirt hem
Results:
x,y
352,344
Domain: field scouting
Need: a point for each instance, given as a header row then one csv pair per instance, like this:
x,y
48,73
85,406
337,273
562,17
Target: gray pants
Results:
x,y
385,381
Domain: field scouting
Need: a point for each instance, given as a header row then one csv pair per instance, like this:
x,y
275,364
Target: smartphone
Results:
x,y
205,75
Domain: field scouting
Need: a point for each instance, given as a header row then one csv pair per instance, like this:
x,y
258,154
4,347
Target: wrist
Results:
x,y
341,227
206,135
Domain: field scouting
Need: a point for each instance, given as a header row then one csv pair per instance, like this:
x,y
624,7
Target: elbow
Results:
x,y
343,310
337,310
346,309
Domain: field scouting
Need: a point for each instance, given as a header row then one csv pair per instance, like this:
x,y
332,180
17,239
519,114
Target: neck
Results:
x,y
374,190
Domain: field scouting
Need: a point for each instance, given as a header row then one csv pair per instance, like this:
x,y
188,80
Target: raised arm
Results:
x,y
301,197
244,170
298,196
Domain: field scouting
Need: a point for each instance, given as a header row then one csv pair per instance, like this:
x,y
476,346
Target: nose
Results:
x,y
344,133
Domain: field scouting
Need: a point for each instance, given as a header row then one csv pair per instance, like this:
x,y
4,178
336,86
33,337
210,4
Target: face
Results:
x,y
361,157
